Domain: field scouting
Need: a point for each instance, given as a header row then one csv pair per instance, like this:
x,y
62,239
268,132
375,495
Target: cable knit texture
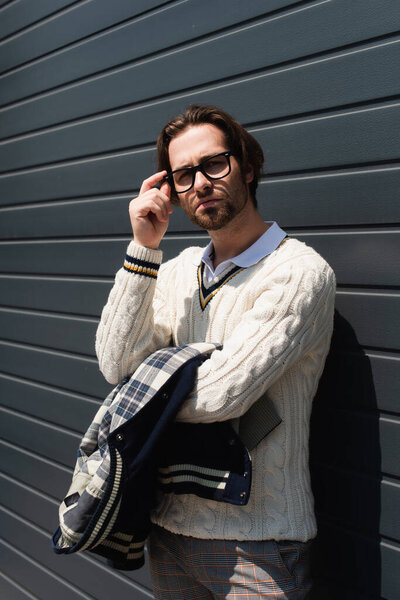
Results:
x,y
274,321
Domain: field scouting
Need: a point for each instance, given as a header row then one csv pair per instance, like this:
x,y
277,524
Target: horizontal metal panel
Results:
x,y
67,295
77,218
36,579
390,502
353,560
36,471
362,309
374,255
390,571
81,20
369,252
23,13
356,501
119,173
354,379
42,438
71,334
339,438
390,430
338,198
355,76
338,140
386,381
74,257
29,504
94,579
48,403
76,374
310,29
10,589
170,25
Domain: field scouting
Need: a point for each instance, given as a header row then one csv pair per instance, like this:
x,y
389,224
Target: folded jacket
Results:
x,y
134,448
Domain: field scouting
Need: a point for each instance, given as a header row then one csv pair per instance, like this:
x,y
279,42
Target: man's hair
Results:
x,y
243,146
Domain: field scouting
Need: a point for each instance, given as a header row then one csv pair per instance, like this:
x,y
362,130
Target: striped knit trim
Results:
x,y
128,550
141,267
205,295
106,519
185,473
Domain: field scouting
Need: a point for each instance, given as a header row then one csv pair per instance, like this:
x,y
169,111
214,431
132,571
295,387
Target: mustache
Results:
x,y
205,194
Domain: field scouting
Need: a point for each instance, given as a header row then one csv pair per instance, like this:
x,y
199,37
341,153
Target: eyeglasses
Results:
x,y
213,167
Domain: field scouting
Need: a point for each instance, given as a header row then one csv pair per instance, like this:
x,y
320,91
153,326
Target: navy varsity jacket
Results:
x,y
134,448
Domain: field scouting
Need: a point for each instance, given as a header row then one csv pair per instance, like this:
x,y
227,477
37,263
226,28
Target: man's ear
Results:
x,y
249,174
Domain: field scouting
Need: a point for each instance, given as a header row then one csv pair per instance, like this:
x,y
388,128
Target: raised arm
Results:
x,y
133,323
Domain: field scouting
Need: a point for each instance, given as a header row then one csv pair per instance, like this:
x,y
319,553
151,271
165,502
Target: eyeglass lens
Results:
x,y
215,167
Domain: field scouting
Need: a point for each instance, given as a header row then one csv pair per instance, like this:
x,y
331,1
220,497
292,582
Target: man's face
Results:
x,y
210,204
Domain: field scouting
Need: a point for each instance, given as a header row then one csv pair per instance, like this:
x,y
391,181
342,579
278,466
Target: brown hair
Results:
x,y
243,146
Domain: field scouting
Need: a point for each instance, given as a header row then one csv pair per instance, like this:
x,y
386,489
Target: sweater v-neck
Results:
x,y
206,293
262,247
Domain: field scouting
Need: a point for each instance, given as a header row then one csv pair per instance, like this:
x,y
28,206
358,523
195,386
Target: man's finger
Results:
x,y
165,189
158,204
151,181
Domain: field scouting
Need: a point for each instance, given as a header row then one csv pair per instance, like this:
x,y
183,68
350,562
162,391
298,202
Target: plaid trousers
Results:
x,y
186,568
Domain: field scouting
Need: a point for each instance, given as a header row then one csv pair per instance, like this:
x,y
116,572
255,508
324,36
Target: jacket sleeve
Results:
x,y
293,315
129,331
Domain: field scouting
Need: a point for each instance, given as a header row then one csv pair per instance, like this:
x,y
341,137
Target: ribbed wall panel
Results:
x,y
112,46
84,91
81,575
315,81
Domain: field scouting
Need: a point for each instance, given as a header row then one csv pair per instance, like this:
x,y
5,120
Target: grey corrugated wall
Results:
x,y
84,88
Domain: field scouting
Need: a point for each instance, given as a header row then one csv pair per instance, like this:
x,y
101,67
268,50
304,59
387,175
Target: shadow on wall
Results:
x,y
345,463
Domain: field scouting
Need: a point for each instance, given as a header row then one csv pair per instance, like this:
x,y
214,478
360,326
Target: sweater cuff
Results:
x,y
143,261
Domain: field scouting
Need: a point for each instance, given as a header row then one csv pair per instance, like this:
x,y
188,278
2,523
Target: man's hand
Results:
x,y
149,212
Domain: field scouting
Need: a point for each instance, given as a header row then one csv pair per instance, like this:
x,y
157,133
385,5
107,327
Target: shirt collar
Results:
x,y
265,244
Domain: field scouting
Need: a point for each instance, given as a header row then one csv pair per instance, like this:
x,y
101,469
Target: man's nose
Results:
x,y
201,182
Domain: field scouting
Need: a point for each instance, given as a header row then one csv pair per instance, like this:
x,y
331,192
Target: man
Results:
x,y
268,301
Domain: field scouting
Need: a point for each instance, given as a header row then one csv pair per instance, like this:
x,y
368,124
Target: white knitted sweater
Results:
x,y
274,321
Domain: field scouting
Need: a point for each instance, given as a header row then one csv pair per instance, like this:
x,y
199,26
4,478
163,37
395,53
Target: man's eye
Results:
x,y
182,176
215,165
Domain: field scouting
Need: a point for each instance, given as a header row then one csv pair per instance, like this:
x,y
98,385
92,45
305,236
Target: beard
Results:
x,y
214,217
217,216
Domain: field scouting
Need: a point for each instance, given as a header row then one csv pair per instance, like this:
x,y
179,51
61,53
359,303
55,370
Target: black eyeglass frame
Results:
x,y
169,176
